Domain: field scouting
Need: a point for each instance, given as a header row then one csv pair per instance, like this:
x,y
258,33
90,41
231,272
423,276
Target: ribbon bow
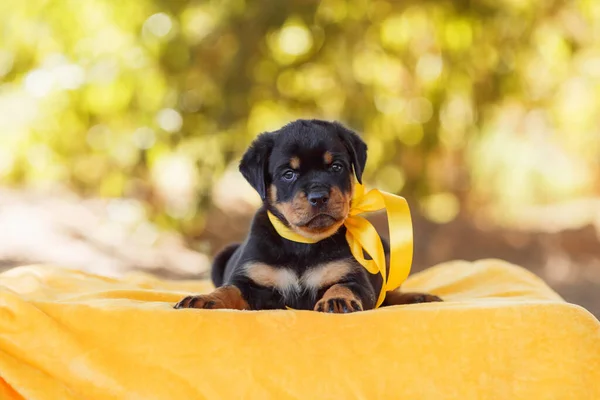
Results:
x,y
362,236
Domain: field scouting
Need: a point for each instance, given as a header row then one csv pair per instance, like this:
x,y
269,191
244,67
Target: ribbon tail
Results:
x,y
401,239
361,237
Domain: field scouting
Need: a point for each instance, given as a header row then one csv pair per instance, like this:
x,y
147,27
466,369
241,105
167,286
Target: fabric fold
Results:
x,y
501,333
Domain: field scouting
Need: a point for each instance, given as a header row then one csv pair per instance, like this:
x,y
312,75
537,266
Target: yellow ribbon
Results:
x,y
362,236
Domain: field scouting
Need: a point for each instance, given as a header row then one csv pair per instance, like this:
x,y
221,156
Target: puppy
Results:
x,y
304,174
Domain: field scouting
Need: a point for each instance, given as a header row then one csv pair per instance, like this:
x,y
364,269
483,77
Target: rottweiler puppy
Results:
x,y
304,174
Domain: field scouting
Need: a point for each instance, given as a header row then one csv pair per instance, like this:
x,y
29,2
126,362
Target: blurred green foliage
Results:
x,y
462,103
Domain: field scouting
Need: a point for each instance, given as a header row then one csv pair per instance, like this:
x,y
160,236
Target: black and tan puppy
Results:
x,y
304,174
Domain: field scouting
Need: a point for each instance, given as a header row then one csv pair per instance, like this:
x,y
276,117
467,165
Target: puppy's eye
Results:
x,y
288,175
337,167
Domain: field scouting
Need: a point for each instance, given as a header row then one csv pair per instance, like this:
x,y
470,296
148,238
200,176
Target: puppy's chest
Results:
x,y
293,282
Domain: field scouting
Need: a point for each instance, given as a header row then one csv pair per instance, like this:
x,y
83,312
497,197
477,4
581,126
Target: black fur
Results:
x,y
254,163
220,262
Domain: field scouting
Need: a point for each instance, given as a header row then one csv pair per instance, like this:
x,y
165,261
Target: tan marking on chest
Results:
x,y
327,274
282,279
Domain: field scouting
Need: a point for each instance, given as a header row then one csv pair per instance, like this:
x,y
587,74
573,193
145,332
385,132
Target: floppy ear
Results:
x,y
254,163
356,147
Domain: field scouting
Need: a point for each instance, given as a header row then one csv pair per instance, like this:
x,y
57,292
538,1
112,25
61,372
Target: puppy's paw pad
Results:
x,y
339,305
201,301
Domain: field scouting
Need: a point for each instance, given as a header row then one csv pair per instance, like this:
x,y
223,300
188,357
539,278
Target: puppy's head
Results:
x,y
304,173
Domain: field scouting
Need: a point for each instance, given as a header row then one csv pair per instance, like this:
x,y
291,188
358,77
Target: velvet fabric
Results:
x,y
500,334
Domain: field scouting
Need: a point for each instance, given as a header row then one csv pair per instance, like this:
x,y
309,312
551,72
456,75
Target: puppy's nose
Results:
x,y
318,197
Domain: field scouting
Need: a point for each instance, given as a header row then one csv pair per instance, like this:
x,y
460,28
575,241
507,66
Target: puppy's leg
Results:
x,y
223,297
397,297
339,298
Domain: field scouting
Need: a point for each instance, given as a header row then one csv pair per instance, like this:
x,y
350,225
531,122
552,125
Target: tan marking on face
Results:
x,y
327,274
273,194
282,279
295,162
298,212
328,158
339,203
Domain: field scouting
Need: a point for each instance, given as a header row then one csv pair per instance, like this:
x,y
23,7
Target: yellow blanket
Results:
x,y
501,334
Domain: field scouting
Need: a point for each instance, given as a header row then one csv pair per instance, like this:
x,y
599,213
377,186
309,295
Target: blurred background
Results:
x,y
122,123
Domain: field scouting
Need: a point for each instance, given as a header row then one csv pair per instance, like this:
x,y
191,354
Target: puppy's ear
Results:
x,y
356,147
254,163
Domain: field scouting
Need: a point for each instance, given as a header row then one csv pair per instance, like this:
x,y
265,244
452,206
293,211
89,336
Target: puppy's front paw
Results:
x,y
222,297
338,305
200,301
339,299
